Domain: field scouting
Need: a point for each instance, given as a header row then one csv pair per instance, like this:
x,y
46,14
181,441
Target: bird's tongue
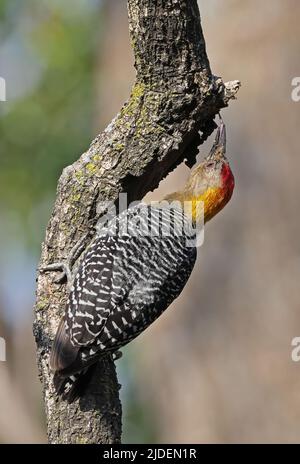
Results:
x,y
219,146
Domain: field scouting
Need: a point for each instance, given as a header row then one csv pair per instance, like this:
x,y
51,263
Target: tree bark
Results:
x,y
168,115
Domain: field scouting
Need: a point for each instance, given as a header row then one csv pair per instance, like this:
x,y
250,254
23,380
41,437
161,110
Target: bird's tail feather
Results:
x,y
73,387
63,352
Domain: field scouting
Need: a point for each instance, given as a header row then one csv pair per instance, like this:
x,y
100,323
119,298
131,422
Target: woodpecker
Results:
x,y
128,278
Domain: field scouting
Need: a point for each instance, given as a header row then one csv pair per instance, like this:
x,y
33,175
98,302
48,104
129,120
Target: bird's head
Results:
x,y
211,183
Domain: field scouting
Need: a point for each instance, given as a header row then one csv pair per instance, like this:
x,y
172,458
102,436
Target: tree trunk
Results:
x,y
168,115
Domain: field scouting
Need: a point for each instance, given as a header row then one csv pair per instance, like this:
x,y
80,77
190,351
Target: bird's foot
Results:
x,y
66,266
117,355
66,273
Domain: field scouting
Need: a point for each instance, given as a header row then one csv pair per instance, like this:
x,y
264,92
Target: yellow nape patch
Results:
x,y
212,202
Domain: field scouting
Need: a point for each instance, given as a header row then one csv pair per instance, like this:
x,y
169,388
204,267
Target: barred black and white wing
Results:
x,y
126,280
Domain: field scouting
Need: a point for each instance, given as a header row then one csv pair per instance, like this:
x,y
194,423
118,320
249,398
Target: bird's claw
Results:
x,y
65,274
61,278
117,355
66,267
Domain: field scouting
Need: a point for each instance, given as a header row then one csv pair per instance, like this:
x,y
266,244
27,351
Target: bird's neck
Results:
x,y
199,207
202,207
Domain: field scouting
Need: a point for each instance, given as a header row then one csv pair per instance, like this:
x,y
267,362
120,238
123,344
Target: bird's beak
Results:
x,y
218,149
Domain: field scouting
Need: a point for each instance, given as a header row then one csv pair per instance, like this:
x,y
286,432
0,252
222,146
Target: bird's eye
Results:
x,y
210,165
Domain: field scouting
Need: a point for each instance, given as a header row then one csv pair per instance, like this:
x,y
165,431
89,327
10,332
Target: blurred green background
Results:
x,y
217,367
